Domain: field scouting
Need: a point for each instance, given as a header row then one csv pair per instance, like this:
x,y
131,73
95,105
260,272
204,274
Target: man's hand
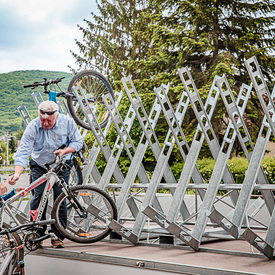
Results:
x,y
61,152
64,151
13,178
3,188
18,189
17,172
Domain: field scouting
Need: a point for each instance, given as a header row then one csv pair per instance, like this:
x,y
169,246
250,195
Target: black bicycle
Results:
x,y
12,243
94,84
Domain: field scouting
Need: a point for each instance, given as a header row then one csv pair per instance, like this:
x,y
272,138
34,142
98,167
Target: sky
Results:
x,y
39,34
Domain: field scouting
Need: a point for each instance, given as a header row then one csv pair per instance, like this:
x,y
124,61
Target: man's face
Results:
x,y
48,123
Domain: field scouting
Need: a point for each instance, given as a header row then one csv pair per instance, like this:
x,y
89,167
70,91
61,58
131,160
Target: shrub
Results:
x,y
238,166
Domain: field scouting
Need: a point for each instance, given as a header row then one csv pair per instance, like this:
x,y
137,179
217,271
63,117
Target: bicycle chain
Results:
x,y
29,241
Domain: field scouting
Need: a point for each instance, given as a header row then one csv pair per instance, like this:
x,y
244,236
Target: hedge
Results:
x,y
237,165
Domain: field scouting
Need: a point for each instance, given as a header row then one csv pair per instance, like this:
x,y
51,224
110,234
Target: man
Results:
x,y
41,139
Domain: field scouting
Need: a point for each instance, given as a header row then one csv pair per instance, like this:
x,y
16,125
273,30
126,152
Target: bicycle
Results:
x,y
89,209
12,247
94,84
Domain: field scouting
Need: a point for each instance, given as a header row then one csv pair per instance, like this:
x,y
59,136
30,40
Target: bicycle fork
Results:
x,y
80,210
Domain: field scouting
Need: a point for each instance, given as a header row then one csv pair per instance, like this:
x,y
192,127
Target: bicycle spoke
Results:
x,y
88,217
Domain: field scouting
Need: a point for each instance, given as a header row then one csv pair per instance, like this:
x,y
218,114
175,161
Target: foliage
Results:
x,y
4,153
206,167
14,95
150,40
268,165
237,165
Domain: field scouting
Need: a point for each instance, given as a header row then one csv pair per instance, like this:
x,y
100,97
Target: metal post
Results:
x,y
8,138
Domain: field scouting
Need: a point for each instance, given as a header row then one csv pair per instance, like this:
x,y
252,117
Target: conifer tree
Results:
x,y
211,35
212,38
151,39
114,38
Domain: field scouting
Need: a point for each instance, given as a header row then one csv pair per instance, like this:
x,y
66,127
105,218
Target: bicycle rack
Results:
x,y
140,218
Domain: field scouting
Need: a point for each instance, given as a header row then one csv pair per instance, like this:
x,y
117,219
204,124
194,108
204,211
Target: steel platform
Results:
x,y
216,257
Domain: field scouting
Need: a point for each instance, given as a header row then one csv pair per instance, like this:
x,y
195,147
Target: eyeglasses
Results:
x,y
48,113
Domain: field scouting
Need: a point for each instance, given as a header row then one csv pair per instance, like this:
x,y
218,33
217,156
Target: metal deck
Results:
x,y
219,257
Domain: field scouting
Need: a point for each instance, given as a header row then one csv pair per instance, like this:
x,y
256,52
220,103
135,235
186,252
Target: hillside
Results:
x,y
14,95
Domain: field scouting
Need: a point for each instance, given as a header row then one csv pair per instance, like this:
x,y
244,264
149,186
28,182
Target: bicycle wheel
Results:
x,y
4,245
76,177
95,85
88,222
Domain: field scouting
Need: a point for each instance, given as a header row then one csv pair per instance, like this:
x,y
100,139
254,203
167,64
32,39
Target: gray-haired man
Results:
x,y
41,139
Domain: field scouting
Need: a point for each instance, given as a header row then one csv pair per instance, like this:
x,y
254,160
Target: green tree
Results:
x,y
212,38
152,39
113,42
115,39
14,95
12,144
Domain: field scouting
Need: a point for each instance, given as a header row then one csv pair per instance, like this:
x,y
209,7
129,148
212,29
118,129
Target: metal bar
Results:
x,y
244,137
97,131
24,114
221,155
90,169
37,98
151,139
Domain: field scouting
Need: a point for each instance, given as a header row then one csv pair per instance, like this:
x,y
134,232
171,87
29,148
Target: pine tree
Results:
x,y
150,40
212,37
113,40
215,32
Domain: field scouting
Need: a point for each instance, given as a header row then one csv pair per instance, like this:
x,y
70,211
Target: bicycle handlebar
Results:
x,y
58,161
31,224
45,83
45,222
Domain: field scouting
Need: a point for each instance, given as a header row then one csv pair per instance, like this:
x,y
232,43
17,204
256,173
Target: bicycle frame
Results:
x,y
50,178
10,262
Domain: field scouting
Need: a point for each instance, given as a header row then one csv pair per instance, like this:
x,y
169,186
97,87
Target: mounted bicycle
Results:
x,y
94,84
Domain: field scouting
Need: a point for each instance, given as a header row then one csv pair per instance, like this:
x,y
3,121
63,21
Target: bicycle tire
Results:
x,y
93,227
94,85
76,177
4,245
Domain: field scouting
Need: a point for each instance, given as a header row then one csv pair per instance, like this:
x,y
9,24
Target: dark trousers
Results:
x,y
36,172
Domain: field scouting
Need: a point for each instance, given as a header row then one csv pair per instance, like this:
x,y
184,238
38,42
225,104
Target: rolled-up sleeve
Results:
x,y
75,138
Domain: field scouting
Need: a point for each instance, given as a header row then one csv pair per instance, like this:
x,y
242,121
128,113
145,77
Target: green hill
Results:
x,y
13,95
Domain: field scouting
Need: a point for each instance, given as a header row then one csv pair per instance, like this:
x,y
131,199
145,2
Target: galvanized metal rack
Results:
x,y
146,216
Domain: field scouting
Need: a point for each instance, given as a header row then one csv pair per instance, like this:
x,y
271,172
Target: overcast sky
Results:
x,y
39,34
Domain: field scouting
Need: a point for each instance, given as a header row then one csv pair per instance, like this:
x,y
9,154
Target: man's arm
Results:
x,y
18,171
64,151
75,138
